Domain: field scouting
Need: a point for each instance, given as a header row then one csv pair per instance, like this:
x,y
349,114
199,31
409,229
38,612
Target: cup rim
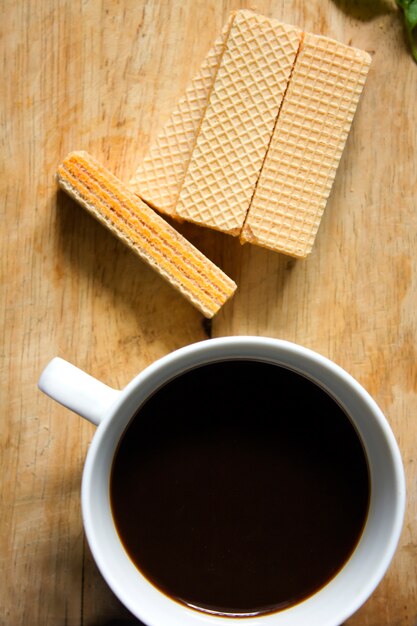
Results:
x,y
198,354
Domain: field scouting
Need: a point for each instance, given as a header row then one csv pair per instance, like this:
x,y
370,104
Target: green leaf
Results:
x,y
409,8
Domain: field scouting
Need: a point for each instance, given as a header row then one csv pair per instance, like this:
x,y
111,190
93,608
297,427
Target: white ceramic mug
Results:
x,y
111,411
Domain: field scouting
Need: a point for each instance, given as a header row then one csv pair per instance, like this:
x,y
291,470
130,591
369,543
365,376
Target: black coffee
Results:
x,y
240,488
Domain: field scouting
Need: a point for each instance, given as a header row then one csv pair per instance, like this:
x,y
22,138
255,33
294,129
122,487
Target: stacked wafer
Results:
x,y
145,232
238,121
258,155
159,179
306,146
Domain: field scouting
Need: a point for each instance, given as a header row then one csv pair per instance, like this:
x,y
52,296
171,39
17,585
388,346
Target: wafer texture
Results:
x,y
306,146
145,232
159,179
239,119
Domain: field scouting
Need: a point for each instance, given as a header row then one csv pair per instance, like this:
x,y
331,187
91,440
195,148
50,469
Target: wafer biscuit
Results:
x,y
145,232
159,178
306,146
238,123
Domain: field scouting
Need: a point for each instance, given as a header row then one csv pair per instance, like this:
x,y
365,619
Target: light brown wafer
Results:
x,y
159,178
238,122
145,232
306,146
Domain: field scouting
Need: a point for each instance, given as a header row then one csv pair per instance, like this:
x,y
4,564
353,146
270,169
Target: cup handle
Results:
x,y
77,390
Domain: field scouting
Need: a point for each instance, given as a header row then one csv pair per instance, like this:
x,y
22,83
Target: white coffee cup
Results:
x,y
112,410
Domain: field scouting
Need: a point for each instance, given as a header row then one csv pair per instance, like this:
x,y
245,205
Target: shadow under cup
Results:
x,y
340,596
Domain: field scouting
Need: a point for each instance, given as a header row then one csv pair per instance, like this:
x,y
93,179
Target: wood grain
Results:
x,y
103,76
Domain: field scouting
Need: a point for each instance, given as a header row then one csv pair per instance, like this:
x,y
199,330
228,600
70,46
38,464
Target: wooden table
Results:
x,y
103,76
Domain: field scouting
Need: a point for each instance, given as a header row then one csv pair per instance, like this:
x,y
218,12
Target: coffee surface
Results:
x,y
240,487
